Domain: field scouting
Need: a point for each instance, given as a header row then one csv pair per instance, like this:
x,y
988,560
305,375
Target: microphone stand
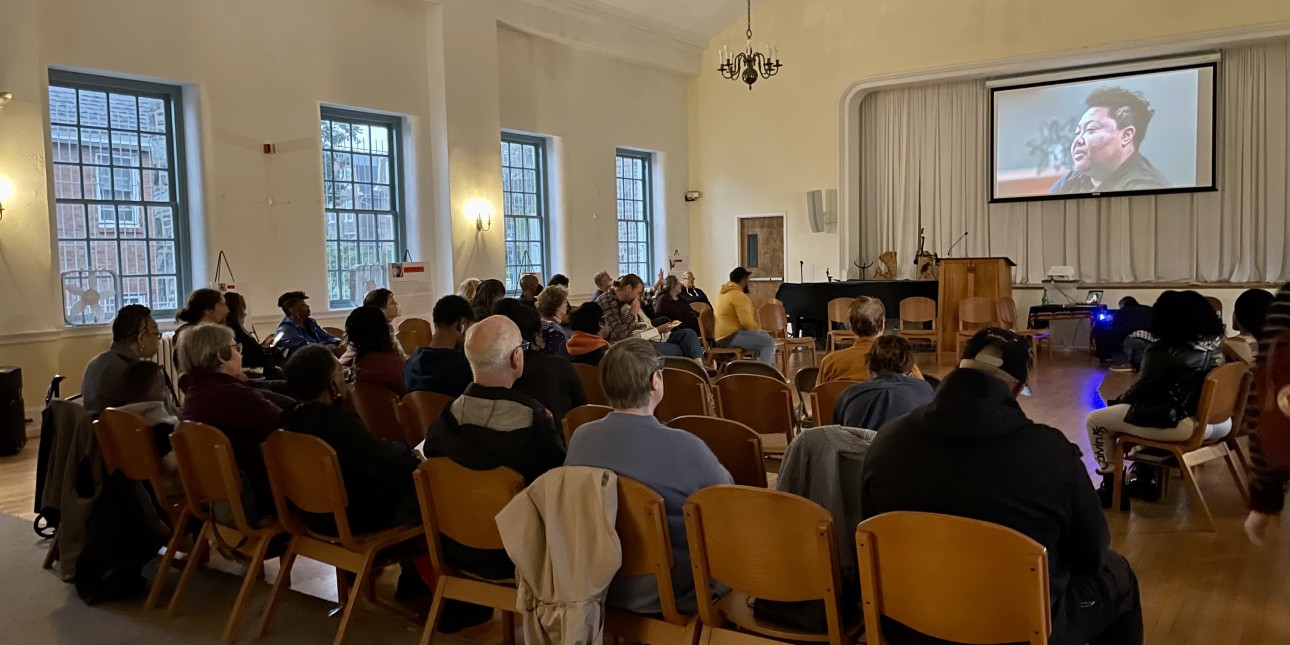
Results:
x,y
950,253
921,240
801,271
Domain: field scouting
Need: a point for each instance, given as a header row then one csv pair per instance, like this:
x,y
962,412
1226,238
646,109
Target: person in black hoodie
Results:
x,y
973,453
547,378
1112,341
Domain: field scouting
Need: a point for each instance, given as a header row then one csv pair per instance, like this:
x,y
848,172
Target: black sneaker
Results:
x,y
1105,495
459,615
1143,483
411,586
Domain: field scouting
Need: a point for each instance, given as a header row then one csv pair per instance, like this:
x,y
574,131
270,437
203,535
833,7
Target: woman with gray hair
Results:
x,y
217,394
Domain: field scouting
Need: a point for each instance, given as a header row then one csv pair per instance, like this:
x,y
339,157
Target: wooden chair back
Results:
x,y
764,544
824,398
683,394
840,311
1008,312
805,380
707,327
590,377
759,402
745,366
335,331
700,307
418,328
304,474
209,472
734,444
976,311
1221,398
687,365
461,503
773,319
918,310
1216,304
127,445
581,415
379,409
646,542
419,411
953,578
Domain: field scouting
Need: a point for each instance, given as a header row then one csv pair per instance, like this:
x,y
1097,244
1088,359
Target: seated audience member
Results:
x,y
558,280
1247,320
868,319
487,295
375,360
530,288
974,453
492,426
218,395
467,288
736,321
377,473
298,328
441,366
1167,392
553,306
891,393
254,354
671,305
1124,342
550,380
633,443
135,336
383,299
1267,485
204,306
691,293
603,282
587,344
624,319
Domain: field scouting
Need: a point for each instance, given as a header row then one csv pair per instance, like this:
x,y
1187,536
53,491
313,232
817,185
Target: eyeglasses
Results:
x,y
662,365
237,347
526,346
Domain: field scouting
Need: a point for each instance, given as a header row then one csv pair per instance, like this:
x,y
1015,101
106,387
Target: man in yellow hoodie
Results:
x,y
736,322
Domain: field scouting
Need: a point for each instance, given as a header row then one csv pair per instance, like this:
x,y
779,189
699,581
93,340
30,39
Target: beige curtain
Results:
x,y
925,161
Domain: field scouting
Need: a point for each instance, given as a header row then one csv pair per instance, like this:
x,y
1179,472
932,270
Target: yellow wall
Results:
x,y
760,151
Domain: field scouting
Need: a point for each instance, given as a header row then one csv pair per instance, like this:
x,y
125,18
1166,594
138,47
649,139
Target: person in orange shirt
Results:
x,y
868,321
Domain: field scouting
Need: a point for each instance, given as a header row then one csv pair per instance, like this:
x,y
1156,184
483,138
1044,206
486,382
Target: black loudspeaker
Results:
x,y
13,426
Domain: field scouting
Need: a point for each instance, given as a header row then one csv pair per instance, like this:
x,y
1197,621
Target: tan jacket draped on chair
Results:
x,y
560,534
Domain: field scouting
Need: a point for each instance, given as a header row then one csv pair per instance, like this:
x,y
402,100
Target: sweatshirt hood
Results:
x,y
972,406
583,343
730,286
445,363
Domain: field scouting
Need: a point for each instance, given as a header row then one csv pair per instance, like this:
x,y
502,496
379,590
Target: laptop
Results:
x,y
1094,297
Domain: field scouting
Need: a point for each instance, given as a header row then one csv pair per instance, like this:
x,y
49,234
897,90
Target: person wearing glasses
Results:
x,y
217,394
633,443
298,328
135,337
551,380
491,426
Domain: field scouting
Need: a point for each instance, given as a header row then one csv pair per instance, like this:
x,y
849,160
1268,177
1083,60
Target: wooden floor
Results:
x,y
1197,587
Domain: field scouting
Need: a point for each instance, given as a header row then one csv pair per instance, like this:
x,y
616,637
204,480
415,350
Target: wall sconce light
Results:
x,y
6,193
482,212
5,97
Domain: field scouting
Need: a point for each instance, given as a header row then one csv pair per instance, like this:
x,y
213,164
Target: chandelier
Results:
x,y
749,65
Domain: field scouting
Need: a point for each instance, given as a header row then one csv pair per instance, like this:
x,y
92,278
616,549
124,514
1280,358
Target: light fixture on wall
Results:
x,y
6,193
482,212
749,65
5,97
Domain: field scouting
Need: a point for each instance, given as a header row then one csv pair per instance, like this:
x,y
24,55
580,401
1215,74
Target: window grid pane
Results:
x,y
362,198
524,206
635,213
111,214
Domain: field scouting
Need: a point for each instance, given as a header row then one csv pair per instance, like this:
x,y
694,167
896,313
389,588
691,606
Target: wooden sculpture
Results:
x,y
887,268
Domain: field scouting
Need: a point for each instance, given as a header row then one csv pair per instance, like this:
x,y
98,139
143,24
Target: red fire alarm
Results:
x,y
270,149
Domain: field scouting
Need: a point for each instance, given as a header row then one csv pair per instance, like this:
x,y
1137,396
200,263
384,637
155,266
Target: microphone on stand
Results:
x,y
801,271
950,253
921,239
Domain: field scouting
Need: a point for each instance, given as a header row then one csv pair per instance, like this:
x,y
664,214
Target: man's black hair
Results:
x,y
739,274
524,316
130,321
309,371
1125,107
586,318
451,309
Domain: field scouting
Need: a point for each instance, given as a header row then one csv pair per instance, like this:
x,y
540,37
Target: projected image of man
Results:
x,y
1106,148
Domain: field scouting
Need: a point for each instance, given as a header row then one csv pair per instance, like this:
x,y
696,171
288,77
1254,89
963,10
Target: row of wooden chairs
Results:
x,y
393,418
917,320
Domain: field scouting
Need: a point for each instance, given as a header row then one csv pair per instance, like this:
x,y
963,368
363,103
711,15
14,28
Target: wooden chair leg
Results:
x,y
194,562
248,588
1234,445
1236,475
355,594
159,582
1194,488
52,555
436,611
1117,475
508,628
342,586
288,560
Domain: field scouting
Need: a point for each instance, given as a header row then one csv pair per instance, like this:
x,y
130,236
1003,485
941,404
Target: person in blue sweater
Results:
x,y
631,442
298,328
890,394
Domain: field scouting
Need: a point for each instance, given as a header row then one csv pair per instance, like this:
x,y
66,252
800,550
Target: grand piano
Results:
x,y
807,304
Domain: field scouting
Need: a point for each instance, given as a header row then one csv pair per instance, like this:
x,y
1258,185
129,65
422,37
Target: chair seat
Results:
x,y
806,341
1033,333
773,443
735,606
379,539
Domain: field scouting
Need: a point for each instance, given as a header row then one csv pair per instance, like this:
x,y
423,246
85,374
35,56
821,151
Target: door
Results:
x,y
761,251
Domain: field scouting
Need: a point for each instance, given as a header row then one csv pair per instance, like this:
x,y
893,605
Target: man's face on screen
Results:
x,y
1100,146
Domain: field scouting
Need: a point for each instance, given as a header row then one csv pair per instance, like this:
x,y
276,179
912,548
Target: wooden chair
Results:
x,y
1216,304
379,409
305,476
418,411
1037,337
683,394
583,414
461,503
804,381
840,313
700,307
734,444
762,544
953,578
761,403
1222,397
918,311
824,398
712,353
687,365
335,331
647,550
210,476
127,444
590,377
413,333
774,320
974,314
745,366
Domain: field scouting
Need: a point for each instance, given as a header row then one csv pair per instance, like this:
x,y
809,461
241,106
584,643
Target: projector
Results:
x,y
1061,274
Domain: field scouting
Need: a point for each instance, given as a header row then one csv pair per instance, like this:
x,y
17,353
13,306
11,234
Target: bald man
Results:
x,y
492,426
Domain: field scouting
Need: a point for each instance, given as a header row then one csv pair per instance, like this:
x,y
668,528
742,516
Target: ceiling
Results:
x,y
702,19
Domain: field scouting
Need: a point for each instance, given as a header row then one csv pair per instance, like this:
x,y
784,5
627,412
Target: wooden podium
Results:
x,y
963,278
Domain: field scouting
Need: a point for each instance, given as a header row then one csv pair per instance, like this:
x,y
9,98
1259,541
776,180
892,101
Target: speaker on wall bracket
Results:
x,y
822,210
